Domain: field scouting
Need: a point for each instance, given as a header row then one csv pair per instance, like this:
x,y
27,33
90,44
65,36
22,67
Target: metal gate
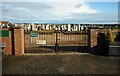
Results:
x,y
57,41
67,42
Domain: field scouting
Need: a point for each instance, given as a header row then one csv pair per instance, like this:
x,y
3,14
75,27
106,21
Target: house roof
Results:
x,y
4,22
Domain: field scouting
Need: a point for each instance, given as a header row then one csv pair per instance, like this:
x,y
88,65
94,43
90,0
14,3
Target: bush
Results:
x,y
17,27
109,36
45,31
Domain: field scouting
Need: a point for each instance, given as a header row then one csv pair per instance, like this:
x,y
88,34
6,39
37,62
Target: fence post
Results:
x,y
56,44
89,38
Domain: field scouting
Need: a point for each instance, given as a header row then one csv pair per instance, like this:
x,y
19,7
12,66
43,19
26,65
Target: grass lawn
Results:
x,y
60,64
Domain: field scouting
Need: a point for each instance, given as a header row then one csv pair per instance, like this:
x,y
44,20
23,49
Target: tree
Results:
x,y
109,36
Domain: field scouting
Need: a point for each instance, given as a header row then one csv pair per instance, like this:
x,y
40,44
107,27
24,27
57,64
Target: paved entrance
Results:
x,y
60,64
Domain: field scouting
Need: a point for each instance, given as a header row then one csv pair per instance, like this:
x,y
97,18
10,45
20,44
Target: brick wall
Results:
x,y
94,35
19,41
8,49
14,43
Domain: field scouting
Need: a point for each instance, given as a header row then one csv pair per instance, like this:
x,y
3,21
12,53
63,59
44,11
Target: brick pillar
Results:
x,y
8,41
93,37
19,41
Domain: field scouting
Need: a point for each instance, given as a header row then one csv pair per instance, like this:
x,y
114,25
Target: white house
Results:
x,y
69,27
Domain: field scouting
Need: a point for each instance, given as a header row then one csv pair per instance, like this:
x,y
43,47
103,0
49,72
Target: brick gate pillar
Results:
x,y
93,37
18,41
6,39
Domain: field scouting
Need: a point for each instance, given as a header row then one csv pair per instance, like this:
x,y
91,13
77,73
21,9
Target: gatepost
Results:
x,y
5,38
18,41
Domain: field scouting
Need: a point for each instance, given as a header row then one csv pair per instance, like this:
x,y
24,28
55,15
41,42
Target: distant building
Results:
x,y
63,27
4,24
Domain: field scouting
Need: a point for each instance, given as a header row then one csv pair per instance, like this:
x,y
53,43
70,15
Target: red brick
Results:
x,y
8,49
19,41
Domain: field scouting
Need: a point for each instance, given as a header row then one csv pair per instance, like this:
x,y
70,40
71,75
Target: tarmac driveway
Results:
x,y
60,63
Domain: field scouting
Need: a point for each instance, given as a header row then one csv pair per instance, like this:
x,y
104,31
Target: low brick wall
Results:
x,y
94,35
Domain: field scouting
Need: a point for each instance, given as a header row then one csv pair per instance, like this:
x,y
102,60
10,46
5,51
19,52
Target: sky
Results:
x,y
59,12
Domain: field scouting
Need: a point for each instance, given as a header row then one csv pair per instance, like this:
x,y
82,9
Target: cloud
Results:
x,y
67,8
54,12
84,9
58,0
24,11
34,6
92,18
14,18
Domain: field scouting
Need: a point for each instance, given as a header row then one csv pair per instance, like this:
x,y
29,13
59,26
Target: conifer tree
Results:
x,y
109,36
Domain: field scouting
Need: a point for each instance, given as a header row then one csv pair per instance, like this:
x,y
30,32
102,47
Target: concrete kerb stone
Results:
x,y
72,53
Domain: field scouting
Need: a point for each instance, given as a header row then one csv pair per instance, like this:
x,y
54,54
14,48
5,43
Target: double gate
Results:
x,y
57,41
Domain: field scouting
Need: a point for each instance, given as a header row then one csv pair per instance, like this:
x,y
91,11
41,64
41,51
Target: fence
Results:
x,y
57,41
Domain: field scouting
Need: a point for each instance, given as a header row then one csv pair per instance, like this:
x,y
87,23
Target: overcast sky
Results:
x,y
76,11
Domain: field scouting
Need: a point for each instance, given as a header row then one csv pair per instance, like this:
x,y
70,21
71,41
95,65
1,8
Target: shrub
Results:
x,y
17,27
109,36
45,31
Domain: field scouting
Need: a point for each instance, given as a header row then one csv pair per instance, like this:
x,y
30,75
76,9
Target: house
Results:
x,y
34,27
4,24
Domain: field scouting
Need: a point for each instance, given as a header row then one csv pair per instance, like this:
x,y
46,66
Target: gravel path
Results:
x,y
60,63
